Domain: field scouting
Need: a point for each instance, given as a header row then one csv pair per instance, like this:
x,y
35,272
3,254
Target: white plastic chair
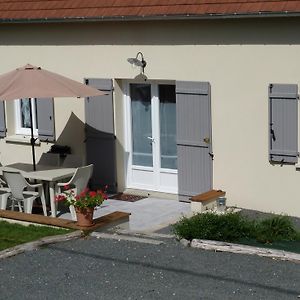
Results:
x,y
72,161
79,180
50,159
17,185
4,192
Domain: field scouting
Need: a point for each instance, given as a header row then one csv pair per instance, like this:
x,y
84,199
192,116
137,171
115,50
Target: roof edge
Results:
x,y
156,18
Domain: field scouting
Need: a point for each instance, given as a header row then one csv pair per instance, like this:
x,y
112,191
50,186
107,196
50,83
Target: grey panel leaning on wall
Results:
x,y
45,119
100,138
283,123
193,110
2,120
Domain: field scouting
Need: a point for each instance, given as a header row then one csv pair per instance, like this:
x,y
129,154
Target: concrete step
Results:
x,y
206,201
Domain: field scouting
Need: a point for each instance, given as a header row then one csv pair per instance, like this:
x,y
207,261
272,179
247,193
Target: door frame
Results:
x,y
155,128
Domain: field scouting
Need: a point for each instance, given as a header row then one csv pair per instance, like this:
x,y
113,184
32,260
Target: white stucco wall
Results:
x,y
239,59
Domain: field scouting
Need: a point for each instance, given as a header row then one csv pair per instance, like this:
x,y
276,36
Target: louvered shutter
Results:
x,y
283,123
45,119
100,138
2,120
193,138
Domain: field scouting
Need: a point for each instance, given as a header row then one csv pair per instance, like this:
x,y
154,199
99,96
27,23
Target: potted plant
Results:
x,y
84,203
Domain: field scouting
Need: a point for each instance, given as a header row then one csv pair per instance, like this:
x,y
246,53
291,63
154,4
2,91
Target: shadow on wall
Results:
x,y
96,147
101,152
73,135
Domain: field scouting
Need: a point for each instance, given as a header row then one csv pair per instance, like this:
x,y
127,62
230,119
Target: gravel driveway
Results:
x,y
110,269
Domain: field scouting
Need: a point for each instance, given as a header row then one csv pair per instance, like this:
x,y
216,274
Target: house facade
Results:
x,y
216,106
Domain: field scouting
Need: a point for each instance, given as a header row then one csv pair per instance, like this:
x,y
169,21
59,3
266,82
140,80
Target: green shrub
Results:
x,y
277,228
233,227
226,227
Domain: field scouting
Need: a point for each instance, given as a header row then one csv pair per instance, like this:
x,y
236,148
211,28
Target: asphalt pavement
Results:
x,y
94,268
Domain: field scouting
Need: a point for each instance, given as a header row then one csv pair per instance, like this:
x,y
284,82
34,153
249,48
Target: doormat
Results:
x,y
127,197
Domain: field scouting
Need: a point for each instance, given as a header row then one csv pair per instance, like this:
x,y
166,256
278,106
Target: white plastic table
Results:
x,y
49,174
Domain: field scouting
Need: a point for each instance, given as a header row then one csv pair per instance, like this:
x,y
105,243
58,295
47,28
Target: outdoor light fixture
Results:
x,y
138,62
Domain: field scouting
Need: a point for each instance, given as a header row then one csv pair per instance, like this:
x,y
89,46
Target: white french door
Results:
x,y
150,123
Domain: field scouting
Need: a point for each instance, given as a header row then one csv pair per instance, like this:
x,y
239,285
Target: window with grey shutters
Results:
x,y
2,120
45,119
283,123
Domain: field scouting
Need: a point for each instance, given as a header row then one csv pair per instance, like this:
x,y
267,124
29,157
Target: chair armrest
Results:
x,y
63,183
2,182
34,185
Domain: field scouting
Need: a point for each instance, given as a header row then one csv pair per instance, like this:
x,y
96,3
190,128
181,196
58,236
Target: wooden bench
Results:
x,y
205,201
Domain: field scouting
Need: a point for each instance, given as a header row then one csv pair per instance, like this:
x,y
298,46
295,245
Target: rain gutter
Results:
x,y
156,18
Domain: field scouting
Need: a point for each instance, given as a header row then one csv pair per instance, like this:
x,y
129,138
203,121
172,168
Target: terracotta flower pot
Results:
x,y
85,216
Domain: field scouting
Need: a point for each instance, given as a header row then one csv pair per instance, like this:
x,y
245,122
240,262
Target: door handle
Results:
x,y
151,139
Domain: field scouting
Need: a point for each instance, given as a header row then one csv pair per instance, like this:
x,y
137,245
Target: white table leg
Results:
x,y
52,199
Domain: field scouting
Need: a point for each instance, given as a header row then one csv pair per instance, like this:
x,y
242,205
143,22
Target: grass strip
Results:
x,y
16,234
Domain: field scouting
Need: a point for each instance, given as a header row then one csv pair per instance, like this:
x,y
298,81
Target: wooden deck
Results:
x,y
104,221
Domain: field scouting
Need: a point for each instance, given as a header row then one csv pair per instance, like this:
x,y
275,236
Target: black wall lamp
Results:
x,y
138,62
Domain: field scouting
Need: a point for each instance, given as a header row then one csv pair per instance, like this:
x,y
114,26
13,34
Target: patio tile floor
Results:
x,y
147,215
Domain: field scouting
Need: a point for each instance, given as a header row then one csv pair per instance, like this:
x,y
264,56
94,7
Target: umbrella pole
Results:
x,y
32,140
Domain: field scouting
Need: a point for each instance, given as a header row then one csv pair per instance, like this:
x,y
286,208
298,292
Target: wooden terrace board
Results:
x,y
208,196
110,219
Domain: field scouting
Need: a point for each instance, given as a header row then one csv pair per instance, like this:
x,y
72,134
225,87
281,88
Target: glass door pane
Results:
x,y
167,115
25,113
140,95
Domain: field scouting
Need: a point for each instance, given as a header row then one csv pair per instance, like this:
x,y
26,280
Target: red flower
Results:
x,y
66,187
83,200
93,194
60,198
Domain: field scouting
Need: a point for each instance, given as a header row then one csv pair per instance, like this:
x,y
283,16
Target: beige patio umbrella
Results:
x,y
34,82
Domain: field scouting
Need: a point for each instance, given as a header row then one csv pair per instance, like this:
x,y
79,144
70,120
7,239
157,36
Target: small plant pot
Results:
x,y
85,216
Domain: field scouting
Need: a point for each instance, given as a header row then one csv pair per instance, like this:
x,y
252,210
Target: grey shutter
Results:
x,y
2,120
283,123
45,119
193,138
100,138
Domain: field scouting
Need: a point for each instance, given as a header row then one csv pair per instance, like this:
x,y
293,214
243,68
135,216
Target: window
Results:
x,y
22,111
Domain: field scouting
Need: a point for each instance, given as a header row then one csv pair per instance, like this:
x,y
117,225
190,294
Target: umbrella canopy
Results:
x,y
34,82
